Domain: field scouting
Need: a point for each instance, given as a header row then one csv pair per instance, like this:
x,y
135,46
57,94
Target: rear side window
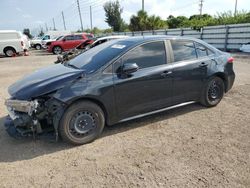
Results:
x,y
202,51
90,37
78,37
147,55
183,50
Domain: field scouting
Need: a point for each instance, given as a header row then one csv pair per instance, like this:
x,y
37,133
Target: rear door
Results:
x,y
78,40
189,71
149,88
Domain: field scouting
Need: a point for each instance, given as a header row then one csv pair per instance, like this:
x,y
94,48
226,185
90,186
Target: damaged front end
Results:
x,y
33,118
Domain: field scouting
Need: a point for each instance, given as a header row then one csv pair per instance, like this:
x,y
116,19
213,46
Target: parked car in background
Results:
x,y
49,42
69,42
85,46
245,47
49,36
11,42
115,82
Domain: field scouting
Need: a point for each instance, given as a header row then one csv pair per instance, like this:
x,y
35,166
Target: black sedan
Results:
x,y
117,81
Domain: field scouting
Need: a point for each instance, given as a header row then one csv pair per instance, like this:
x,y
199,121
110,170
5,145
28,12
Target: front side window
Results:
x,y
147,55
46,37
183,50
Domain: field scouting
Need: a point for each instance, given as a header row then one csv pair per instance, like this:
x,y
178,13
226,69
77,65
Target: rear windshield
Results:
x,y
96,57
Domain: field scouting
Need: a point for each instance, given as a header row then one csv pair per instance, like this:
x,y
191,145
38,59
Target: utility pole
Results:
x,y
235,9
63,21
54,24
201,6
79,10
142,5
91,18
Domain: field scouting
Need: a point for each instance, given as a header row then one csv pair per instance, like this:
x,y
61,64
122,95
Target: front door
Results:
x,y
149,88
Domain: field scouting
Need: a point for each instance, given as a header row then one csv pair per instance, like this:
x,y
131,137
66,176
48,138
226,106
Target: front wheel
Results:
x,y
82,123
213,92
57,50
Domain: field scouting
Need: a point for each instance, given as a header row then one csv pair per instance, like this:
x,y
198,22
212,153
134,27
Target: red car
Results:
x,y
68,42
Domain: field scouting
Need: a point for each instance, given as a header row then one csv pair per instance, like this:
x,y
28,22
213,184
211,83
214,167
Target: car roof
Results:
x,y
141,39
156,37
113,37
8,31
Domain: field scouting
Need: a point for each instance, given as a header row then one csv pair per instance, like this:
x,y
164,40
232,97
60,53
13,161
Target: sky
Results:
x,y
35,14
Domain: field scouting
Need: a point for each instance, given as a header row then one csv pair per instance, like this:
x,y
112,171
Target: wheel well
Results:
x,y
57,46
38,44
223,77
8,47
97,102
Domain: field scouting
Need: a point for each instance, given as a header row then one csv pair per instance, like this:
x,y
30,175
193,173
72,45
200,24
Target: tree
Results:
x,y
41,33
155,22
113,13
142,21
26,31
176,22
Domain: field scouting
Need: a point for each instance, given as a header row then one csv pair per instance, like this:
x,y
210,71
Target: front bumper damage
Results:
x,y
33,118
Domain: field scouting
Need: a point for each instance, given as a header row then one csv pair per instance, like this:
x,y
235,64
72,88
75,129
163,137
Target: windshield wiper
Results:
x,y
70,65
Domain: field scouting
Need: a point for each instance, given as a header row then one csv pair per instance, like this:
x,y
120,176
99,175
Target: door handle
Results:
x,y
166,73
203,64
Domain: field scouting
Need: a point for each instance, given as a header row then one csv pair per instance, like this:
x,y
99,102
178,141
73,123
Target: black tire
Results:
x,y
57,50
213,92
9,52
81,123
38,46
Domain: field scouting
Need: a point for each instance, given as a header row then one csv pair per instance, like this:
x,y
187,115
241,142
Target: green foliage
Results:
x,y
41,33
199,21
26,31
142,21
113,13
176,22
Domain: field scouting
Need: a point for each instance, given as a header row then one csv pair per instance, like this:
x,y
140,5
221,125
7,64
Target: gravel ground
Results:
x,y
191,146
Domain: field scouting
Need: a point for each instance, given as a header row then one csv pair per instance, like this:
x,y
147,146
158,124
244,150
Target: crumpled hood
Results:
x,y
43,81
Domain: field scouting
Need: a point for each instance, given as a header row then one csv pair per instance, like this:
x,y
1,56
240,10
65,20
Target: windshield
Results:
x,y
96,57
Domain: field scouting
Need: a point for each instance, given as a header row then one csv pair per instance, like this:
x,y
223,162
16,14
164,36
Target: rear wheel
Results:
x,y
57,50
213,92
9,52
82,122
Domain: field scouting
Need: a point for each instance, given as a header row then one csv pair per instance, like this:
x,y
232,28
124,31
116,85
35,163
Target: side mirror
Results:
x,y
63,40
129,68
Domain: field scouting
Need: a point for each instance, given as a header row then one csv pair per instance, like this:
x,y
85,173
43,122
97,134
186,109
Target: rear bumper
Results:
x,y
230,81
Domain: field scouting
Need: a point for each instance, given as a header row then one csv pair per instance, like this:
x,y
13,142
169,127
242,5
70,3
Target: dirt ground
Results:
x,y
191,146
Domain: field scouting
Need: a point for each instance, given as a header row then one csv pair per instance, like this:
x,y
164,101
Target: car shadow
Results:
x,y
23,149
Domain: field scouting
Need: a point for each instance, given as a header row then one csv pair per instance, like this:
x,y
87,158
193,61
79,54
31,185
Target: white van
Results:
x,y
11,42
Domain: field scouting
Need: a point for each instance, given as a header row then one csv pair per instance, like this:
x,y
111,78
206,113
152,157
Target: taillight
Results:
x,y
230,60
21,43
